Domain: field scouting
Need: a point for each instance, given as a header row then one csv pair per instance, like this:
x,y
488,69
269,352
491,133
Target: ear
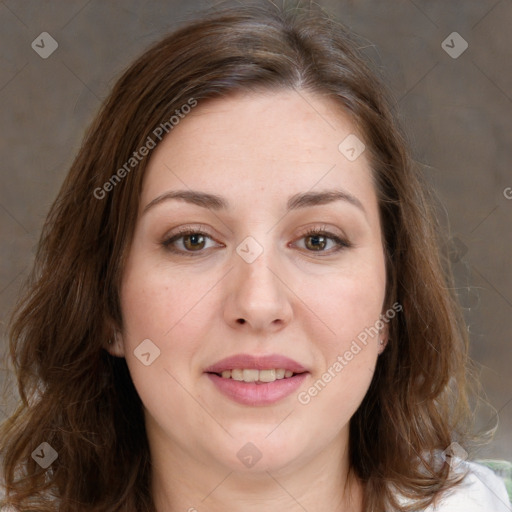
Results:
x,y
383,337
114,343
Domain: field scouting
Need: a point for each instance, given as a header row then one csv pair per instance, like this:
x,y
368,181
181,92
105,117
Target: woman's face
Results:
x,y
246,290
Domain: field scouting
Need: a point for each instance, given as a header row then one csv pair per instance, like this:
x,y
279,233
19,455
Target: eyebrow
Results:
x,y
216,202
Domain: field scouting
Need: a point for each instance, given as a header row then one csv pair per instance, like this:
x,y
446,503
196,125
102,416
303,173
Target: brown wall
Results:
x,y
457,112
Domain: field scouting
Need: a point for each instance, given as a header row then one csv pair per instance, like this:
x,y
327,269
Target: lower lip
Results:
x,y
250,393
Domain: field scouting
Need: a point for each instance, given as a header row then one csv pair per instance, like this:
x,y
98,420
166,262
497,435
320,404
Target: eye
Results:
x,y
317,240
188,241
193,242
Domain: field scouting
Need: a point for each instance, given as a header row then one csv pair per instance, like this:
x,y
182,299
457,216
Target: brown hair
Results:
x,y
81,400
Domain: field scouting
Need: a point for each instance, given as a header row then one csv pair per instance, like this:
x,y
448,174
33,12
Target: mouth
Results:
x,y
256,380
256,376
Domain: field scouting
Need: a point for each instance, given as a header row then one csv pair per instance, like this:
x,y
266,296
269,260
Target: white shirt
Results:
x,y
480,491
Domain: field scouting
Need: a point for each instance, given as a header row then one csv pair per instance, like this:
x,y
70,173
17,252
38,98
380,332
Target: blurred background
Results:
x,y
447,63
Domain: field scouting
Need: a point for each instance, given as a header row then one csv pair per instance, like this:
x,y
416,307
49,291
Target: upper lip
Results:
x,y
253,362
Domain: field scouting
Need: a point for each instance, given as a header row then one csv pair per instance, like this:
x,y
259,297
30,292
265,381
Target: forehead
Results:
x,y
271,141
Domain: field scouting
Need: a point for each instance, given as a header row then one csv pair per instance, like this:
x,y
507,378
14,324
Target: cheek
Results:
x,y
334,396
175,313
157,302
171,314
347,357
348,303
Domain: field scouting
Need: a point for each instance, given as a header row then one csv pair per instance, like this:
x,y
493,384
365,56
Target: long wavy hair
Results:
x,y
81,401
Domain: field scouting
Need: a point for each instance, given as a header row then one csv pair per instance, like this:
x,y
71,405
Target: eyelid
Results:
x,y
188,228
341,241
321,229
182,231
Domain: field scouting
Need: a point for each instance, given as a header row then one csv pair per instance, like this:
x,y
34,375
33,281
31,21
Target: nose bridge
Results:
x,y
258,296
256,266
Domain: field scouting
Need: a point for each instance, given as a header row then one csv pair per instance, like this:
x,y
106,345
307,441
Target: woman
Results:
x,y
238,299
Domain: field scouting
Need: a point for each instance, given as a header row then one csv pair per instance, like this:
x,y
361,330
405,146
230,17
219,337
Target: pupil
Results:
x,y
316,239
193,239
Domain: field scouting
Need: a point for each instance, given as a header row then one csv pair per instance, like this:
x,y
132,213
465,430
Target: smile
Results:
x,y
256,380
252,375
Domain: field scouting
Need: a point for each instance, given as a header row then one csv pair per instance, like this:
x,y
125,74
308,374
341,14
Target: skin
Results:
x,y
256,150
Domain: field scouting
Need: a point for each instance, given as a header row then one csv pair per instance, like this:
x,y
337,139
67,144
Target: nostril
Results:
x,y
241,321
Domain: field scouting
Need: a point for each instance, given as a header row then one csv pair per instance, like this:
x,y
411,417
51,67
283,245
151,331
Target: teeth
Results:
x,y
251,375
267,375
237,374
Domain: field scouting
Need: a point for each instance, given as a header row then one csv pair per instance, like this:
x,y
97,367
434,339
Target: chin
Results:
x,y
255,451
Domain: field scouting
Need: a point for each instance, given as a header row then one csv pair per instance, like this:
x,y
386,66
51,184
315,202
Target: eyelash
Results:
x,y
167,243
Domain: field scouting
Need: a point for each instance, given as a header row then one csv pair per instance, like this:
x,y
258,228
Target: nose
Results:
x,y
258,297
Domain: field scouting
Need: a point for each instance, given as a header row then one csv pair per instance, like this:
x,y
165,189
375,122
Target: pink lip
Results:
x,y
251,393
257,394
251,362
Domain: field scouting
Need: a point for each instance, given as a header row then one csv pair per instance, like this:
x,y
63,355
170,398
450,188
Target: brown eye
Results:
x,y
323,242
316,242
189,241
194,241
